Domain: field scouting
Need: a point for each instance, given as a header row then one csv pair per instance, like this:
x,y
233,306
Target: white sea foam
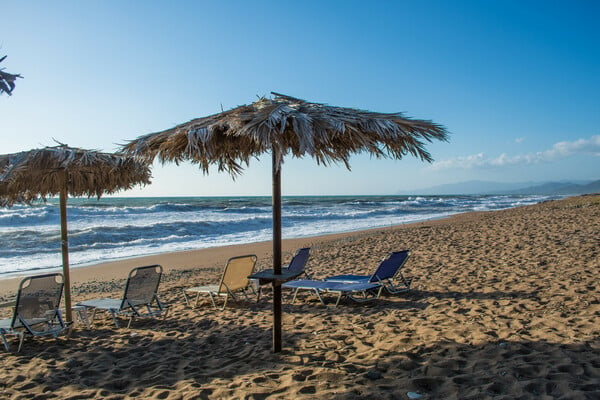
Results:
x,y
118,228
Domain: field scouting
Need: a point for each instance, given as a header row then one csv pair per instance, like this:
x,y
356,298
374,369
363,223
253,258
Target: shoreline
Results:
x,y
503,304
213,257
99,234
184,259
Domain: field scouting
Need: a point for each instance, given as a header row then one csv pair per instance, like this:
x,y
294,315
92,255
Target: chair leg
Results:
x,y
5,342
93,314
320,298
114,317
225,303
212,298
83,316
295,294
21,339
337,302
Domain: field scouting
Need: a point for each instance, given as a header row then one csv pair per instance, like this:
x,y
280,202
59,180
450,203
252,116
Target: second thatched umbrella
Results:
x,y
63,171
285,125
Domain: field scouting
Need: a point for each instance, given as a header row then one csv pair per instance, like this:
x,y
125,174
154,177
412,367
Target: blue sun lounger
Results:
x,y
359,292
296,267
388,269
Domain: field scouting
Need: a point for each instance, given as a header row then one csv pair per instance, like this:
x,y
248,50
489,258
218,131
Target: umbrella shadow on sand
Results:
x,y
215,360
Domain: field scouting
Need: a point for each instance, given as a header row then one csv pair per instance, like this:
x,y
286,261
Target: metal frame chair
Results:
x,y
367,291
389,268
36,309
234,278
140,298
297,266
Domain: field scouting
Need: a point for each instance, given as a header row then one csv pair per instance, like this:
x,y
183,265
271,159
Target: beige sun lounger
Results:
x,y
234,279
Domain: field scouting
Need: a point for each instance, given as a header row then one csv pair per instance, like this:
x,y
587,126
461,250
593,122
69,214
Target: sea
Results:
x,y
114,228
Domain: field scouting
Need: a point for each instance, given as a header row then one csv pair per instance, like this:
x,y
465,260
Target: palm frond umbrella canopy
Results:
x,y
285,125
62,170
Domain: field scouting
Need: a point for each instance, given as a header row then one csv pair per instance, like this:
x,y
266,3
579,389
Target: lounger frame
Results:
x,y
357,292
135,303
389,269
234,279
297,266
35,312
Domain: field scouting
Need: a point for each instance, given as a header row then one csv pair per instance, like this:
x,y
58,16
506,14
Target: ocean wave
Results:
x,y
124,227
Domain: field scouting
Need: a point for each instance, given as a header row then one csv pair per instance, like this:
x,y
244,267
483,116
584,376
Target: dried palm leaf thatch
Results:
x,y
284,125
63,170
39,173
7,81
281,126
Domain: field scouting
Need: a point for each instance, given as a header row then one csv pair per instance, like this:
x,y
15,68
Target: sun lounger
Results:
x,y
36,309
389,268
296,268
359,292
140,298
234,279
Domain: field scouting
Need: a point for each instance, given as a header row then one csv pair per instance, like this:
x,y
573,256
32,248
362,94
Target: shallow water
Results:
x,y
112,228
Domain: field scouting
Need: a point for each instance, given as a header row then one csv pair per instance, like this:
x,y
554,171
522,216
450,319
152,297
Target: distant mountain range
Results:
x,y
484,187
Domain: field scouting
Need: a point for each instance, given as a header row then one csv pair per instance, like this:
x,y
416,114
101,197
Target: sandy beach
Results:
x,y
503,305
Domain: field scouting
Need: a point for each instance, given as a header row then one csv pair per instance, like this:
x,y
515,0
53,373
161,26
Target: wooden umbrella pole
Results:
x,y
276,252
65,249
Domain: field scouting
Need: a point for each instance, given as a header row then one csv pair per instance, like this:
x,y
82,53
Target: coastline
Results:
x,y
209,257
214,257
503,304
121,228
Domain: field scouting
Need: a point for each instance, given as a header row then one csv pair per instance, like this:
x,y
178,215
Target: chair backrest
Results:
x,y
390,266
235,275
142,285
38,297
299,260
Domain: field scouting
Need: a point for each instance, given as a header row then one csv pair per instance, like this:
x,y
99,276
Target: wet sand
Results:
x,y
503,305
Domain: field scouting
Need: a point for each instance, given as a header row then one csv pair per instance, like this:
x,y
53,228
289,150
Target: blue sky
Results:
x,y
517,83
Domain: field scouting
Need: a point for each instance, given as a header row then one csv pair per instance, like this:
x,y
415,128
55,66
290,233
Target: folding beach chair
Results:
x,y
140,298
36,309
359,292
388,269
296,267
234,279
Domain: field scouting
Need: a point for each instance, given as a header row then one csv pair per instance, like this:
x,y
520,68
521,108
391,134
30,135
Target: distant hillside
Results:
x,y
484,187
560,188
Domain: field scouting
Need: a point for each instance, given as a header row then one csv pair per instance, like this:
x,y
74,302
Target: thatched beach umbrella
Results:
x,y
281,126
63,171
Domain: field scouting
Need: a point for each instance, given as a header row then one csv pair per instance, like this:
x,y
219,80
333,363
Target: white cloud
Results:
x,y
558,151
519,140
